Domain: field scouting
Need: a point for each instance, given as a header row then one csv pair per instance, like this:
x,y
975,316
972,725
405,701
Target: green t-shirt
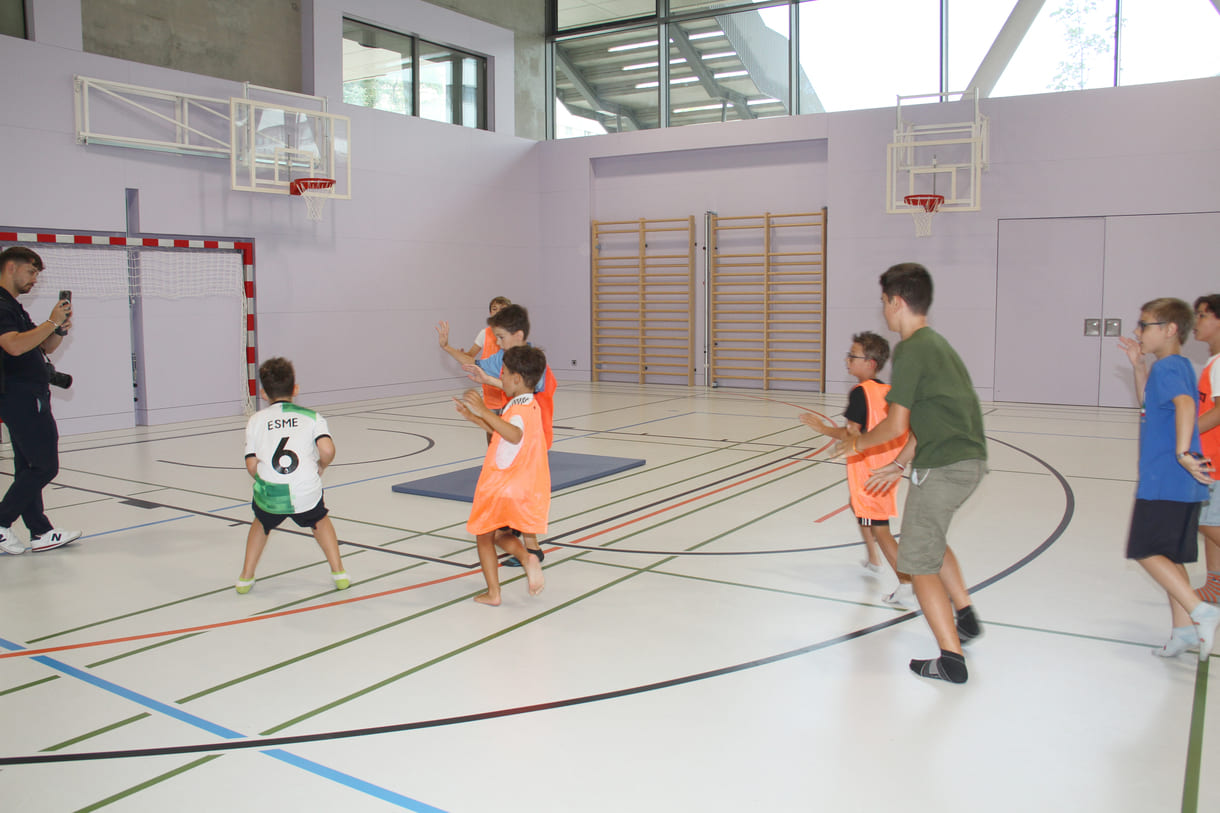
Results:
x,y
931,381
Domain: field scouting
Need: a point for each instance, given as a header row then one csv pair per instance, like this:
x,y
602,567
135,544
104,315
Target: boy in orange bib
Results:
x,y
514,488
866,407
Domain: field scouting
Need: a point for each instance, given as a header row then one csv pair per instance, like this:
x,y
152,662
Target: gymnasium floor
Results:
x,y
706,641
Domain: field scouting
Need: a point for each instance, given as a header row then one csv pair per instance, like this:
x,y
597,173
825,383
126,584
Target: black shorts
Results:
x,y
305,519
1164,528
866,522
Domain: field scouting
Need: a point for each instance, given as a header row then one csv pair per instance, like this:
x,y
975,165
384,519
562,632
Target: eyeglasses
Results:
x,y
1142,325
850,356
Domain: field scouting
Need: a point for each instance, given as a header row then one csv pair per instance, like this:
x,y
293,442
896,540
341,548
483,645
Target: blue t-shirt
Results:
x,y
494,364
1161,476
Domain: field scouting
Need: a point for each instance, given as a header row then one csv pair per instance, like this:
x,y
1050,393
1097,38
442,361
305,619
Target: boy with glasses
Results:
x,y
1173,475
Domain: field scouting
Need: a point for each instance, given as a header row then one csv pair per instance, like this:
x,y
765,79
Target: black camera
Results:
x,y
58,379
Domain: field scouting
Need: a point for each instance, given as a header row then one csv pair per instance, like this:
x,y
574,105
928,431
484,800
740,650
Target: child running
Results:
x,y
866,407
287,449
514,488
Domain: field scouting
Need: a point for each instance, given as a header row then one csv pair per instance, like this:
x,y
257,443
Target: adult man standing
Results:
x,y
25,403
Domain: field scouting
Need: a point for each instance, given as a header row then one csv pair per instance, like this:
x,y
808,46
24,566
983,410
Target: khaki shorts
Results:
x,y
932,499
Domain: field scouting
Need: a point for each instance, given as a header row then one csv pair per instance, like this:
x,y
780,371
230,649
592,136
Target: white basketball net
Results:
x,y
923,208
315,202
314,191
923,221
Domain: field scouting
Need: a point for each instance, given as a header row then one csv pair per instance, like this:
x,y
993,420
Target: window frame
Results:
x,y
458,57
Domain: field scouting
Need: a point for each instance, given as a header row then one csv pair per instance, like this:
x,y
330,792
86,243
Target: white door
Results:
x,y
1147,257
1053,274
1050,277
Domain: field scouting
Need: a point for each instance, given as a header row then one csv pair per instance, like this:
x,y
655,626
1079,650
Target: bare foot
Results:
x,y
486,598
533,573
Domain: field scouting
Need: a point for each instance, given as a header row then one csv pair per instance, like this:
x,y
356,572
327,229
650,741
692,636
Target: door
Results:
x,y
1050,278
1053,274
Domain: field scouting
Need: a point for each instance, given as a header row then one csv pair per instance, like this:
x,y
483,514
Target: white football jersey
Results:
x,y
284,439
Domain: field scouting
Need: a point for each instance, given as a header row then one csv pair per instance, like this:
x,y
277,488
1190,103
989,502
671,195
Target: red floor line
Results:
x,y
835,512
236,621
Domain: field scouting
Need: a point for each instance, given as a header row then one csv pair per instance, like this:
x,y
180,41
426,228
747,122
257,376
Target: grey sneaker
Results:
x,y
54,538
9,543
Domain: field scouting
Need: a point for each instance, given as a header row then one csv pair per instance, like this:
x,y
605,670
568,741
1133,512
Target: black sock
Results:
x,y
949,666
968,624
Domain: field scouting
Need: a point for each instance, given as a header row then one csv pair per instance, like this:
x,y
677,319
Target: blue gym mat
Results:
x,y
567,469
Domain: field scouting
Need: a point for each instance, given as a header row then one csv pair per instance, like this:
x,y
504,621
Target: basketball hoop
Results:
x,y
315,191
923,208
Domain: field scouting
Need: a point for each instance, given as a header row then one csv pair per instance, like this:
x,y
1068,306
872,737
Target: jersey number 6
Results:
x,y
282,451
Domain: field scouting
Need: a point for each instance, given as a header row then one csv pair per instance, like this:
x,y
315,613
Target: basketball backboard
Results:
x,y
273,145
938,149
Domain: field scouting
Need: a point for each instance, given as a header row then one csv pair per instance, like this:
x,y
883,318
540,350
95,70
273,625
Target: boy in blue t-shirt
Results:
x,y
1173,476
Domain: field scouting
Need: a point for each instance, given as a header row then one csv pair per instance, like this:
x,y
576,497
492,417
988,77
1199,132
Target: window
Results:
x,y
730,67
899,54
402,74
1165,40
731,59
12,18
610,81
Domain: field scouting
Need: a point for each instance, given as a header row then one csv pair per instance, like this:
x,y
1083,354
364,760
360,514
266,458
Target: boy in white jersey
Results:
x,y
287,449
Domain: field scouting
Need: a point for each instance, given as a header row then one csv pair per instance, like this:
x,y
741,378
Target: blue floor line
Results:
x,y
169,710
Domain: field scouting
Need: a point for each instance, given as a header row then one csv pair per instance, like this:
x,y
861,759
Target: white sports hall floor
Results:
x,y
707,640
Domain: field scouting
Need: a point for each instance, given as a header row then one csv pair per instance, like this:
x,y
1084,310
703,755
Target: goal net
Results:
x,y
189,303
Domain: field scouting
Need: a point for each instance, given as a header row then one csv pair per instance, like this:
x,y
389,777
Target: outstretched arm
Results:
x,y
442,337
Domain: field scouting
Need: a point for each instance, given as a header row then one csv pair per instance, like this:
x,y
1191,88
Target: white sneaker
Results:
x,y
54,538
904,597
871,568
9,543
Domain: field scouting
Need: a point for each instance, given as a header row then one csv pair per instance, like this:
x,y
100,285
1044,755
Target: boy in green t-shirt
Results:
x,y
931,395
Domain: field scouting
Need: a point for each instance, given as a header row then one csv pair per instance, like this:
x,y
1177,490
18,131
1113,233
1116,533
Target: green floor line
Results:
x,y
96,732
384,627
1194,750
123,794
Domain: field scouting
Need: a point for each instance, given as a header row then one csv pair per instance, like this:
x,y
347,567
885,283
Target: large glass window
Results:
x,y
577,13
973,28
729,59
1070,46
379,71
611,81
1166,40
730,67
12,18
900,55
450,85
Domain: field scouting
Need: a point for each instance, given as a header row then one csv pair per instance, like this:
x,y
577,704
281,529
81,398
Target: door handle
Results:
x,y
1092,327
1113,328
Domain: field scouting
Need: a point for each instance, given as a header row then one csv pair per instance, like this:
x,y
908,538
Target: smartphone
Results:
x,y
65,295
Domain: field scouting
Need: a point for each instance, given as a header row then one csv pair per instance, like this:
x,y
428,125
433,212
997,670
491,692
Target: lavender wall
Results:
x,y
441,218
1136,150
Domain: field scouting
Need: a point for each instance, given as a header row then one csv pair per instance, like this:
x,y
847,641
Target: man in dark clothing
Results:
x,y
25,403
